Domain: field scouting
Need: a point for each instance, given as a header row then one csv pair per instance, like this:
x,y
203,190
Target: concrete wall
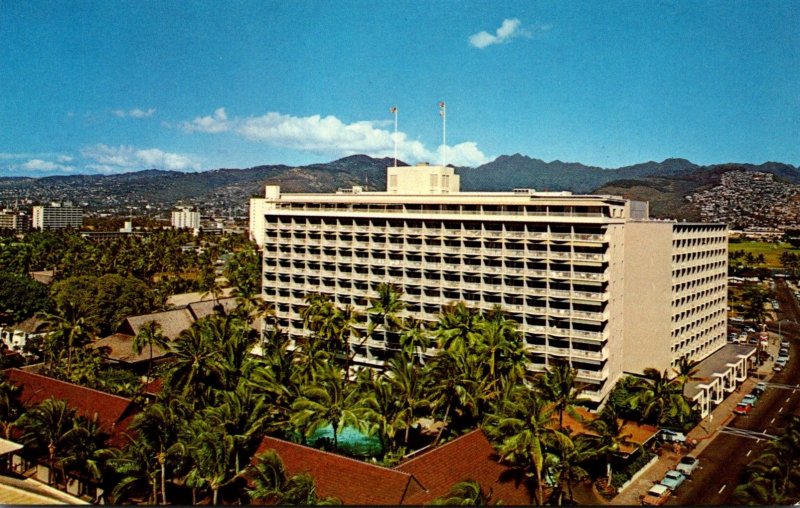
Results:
x,y
648,296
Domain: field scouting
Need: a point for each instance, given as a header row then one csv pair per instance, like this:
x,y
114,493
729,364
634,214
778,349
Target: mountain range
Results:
x,y
225,191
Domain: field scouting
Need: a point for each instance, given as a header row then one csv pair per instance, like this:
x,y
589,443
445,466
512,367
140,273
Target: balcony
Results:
x,y
592,374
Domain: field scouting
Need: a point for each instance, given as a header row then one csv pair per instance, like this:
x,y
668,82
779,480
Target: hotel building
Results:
x,y
591,280
186,217
57,216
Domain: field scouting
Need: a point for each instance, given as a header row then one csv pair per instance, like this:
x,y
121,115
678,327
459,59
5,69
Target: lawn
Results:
x,y
772,251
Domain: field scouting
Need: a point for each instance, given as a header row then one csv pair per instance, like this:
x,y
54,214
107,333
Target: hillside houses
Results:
x,y
747,199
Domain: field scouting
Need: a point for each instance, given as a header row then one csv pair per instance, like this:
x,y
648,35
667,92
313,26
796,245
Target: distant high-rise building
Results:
x,y
186,217
57,216
13,219
591,280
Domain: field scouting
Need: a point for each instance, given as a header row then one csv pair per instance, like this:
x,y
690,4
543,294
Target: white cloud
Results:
x,y
213,124
43,165
109,159
329,135
134,113
154,157
464,154
138,113
509,29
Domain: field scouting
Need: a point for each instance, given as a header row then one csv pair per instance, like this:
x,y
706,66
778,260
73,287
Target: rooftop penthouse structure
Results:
x,y
591,280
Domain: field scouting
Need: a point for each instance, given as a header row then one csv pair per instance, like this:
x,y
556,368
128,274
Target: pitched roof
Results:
x,y
120,348
183,299
172,322
113,412
205,308
468,457
352,481
30,325
414,482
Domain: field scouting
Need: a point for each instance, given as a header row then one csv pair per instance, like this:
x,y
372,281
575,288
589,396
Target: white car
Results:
x,y
672,435
688,464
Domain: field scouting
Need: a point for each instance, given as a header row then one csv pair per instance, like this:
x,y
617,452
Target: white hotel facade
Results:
x,y
591,280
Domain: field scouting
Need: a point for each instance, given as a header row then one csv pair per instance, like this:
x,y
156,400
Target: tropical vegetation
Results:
x,y
195,442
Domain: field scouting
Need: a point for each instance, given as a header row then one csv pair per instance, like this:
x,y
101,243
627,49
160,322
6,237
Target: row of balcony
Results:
x,y
599,296
469,269
346,256
439,231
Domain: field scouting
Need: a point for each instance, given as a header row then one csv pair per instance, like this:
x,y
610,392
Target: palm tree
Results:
x,y
686,371
213,457
568,458
558,385
527,431
466,493
456,326
196,365
499,339
139,469
157,428
87,451
655,394
386,308
10,407
49,426
69,332
379,408
415,338
774,477
346,329
273,485
610,437
150,335
452,384
407,386
243,415
327,402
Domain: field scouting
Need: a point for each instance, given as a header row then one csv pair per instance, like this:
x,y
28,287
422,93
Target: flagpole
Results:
x,y
394,110
443,112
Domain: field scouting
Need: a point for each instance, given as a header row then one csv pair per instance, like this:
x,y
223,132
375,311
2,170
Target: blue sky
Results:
x,y
115,86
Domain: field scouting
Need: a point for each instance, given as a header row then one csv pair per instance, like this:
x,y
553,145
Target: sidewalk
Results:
x,y
703,434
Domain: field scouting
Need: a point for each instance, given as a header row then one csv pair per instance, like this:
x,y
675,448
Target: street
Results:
x,y
742,438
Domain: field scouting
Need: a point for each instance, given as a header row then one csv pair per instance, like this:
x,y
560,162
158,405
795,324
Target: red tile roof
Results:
x,y
113,412
352,481
414,482
469,457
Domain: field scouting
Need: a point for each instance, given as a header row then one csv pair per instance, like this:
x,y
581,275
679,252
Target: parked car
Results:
x,y
750,329
688,464
750,399
743,409
782,361
673,479
673,435
784,351
657,495
760,388
784,343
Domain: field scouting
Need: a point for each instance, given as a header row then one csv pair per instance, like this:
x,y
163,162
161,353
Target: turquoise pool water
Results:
x,y
350,440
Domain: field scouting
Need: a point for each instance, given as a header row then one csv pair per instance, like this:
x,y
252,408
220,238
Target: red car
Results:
x,y
742,409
